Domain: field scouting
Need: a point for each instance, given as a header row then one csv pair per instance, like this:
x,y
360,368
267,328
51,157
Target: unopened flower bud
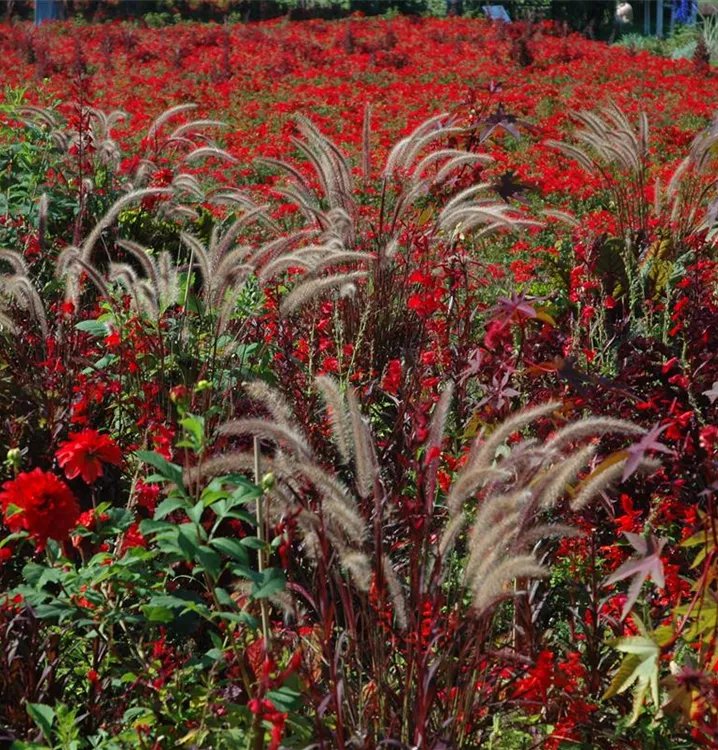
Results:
x,y
14,455
202,385
178,394
268,481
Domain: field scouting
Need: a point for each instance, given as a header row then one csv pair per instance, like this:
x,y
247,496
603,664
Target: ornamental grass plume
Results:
x,y
507,496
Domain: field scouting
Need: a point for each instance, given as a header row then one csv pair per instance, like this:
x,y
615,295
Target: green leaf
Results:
x,y
240,618
138,715
188,543
38,575
639,667
97,328
195,513
149,526
168,505
51,611
252,542
195,427
158,614
231,547
210,561
170,472
269,582
285,699
224,598
44,718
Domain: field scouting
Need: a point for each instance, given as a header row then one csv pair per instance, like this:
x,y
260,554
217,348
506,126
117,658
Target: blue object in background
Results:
x,y
497,13
685,11
47,10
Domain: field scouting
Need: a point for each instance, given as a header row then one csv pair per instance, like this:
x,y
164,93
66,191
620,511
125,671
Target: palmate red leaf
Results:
x,y
647,563
637,452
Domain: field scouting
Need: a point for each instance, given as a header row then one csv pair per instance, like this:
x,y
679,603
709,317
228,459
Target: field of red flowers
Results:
x,y
357,383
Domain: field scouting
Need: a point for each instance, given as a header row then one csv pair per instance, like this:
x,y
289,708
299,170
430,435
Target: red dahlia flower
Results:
x,y
44,506
85,452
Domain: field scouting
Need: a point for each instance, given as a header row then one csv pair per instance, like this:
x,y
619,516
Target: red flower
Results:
x,y
41,504
392,378
85,452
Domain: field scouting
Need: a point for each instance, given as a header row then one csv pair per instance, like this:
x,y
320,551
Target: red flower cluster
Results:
x,y
41,504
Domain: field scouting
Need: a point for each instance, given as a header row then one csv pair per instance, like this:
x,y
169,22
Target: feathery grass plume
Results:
x,y
512,492
16,261
6,323
492,216
492,538
513,495
596,482
112,214
605,475
468,480
42,209
228,463
339,519
402,157
270,431
18,287
407,177
359,567
618,153
273,402
365,458
575,153
336,409
449,154
223,266
611,148
563,216
395,592
166,116
487,591
554,482
336,501
32,115
190,185
143,257
160,289
592,427
438,418
193,126
312,259
206,152
483,452
301,294
547,531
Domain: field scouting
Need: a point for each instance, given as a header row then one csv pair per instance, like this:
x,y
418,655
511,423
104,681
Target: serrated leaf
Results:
x,y
639,668
647,564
